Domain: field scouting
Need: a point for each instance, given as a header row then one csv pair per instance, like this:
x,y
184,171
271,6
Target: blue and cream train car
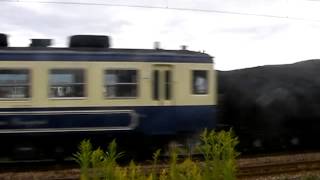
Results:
x,y
52,95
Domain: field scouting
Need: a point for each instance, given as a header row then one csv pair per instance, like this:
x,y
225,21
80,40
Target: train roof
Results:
x,y
102,54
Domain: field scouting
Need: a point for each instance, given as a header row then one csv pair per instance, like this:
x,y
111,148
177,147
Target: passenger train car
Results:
x,y
53,97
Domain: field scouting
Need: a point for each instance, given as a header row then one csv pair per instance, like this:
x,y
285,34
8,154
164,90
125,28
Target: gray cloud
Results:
x,y
266,39
54,21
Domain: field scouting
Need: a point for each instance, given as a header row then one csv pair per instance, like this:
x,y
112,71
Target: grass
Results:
x,y
217,148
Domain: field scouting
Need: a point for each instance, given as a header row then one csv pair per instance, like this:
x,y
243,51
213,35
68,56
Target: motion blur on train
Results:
x,y
273,107
52,98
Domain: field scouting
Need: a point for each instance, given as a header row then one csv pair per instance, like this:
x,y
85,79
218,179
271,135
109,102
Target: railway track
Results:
x,y
248,168
278,169
276,165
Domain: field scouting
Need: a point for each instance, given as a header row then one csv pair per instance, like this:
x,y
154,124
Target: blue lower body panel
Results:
x,y
150,120
176,119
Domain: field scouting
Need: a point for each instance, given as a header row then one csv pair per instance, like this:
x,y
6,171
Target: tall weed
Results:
x,y
83,158
217,148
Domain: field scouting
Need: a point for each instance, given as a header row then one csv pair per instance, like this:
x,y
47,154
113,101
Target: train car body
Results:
x,y
55,94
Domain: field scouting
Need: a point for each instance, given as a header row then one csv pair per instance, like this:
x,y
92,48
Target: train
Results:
x,y
52,98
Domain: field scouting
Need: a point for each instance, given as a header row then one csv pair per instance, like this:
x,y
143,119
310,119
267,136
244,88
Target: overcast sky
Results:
x,y
263,36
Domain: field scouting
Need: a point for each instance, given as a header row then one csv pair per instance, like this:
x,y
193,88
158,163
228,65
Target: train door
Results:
x,y
162,86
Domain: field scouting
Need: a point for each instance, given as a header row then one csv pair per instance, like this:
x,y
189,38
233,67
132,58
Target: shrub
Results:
x,y
218,149
83,157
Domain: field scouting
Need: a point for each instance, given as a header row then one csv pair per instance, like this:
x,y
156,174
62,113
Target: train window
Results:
x,y
168,85
14,83
66,83
199,82
120,83
156,85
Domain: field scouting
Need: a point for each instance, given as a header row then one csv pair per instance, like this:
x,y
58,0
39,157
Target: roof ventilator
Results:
x,y
3,40
156,45
89,41
40,42
184,47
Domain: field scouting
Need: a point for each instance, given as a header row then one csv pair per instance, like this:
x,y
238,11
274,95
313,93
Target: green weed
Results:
x,y
218,149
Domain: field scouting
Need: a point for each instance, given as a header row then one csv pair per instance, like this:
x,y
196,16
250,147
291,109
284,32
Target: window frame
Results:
x,y
29,84
192,82
105,89
85,84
